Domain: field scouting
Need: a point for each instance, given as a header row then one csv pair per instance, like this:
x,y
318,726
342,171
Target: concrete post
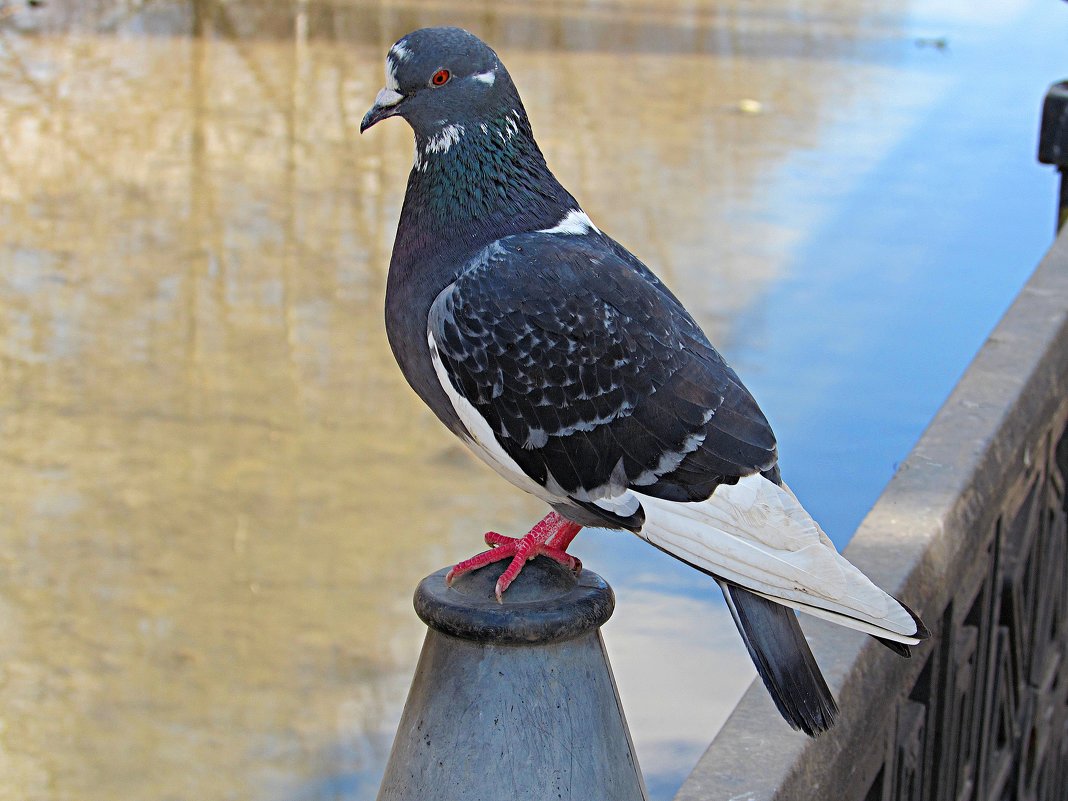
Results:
x,y
1053,141
513,701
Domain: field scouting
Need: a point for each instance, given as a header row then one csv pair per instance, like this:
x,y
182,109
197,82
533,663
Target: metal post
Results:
x,y
513,701
1053,141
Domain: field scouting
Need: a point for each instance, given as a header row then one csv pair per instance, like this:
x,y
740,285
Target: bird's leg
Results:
x,y
511,543
549,537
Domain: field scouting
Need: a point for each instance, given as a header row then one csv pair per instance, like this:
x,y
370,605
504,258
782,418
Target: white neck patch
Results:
x,y
486,77
446,138
508,129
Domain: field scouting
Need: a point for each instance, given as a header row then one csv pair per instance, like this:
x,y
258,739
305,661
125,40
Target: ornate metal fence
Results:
x,y
973,532
986,718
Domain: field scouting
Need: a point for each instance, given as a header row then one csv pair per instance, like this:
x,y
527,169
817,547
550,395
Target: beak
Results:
x,y
385,106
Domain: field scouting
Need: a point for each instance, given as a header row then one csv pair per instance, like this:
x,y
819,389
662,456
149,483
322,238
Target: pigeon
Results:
x,y
571,369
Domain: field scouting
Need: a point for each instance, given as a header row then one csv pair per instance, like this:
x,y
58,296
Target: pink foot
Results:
x,y
549,537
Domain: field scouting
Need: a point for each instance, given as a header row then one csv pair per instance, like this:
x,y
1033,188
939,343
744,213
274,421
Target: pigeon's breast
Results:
x,y
409,295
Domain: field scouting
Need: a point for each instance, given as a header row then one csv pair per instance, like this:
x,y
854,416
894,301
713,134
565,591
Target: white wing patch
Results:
x,y
756,534
669,460
574,222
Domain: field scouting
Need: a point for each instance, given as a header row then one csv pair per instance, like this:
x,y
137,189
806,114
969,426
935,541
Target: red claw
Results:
x,y
549,537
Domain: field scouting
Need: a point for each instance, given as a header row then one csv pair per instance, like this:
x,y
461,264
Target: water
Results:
x,y
217,492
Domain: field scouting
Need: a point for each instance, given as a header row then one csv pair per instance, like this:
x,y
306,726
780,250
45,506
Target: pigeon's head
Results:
x,y
440,77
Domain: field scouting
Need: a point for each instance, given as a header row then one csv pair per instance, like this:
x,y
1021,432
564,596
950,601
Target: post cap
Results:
x,y
1053,139
546,603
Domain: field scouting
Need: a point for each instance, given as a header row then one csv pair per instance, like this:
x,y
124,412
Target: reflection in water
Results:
x,y
217,492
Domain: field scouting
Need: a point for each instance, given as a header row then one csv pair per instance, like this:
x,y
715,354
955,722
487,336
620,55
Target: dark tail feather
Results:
x,y
899,647
783,660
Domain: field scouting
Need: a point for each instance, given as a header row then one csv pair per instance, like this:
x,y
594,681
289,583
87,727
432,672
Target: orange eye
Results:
x,y
441,77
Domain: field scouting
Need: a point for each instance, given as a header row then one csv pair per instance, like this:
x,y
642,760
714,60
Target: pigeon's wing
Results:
x,y
591,377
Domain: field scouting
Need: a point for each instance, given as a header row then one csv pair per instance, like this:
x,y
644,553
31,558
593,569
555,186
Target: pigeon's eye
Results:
x,y
440,78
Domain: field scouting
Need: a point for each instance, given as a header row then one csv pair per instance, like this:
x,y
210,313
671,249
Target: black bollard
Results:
x,y
1053,141
513,701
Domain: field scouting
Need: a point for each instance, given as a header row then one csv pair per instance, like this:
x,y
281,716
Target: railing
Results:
x,y
972,533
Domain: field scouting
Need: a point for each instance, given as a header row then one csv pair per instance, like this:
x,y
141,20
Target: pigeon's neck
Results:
x,y
474,183
470,186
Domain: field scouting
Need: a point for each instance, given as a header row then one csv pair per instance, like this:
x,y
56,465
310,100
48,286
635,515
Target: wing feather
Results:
x,y
591,375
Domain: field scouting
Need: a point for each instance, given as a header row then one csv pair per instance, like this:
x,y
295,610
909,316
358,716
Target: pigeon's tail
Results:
x,y
783,660
756,535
